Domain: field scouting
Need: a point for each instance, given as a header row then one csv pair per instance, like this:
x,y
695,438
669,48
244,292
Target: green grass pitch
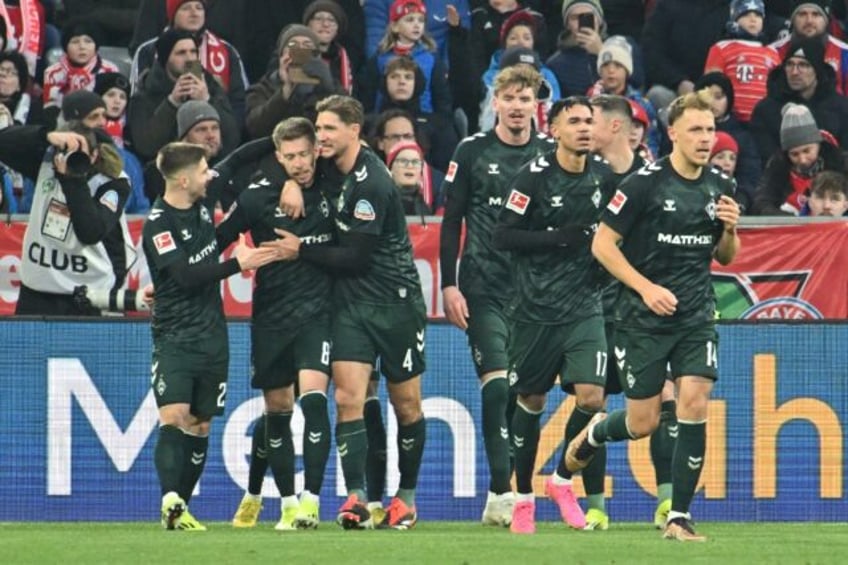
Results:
x,y
430,542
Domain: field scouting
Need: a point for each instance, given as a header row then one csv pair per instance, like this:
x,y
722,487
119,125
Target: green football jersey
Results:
x,y
287,293
170,236
555,284
611,285
476,186
670,231
369,203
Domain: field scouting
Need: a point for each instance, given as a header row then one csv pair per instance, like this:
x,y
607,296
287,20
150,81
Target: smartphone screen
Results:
x,y
586,20
300,56
195,68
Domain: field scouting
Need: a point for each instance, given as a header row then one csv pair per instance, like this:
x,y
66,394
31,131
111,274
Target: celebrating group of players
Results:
x,y
337,289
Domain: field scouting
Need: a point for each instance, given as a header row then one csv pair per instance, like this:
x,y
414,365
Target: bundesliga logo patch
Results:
x,y
518,202
617,203
164,242
451,171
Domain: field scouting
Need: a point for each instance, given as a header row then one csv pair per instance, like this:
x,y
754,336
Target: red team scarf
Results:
x,y
216,58
23,23
346,71
115,129
64,77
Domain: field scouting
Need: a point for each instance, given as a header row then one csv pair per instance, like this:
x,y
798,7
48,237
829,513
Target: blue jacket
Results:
x,y
577,69
377,19
137,203
9,200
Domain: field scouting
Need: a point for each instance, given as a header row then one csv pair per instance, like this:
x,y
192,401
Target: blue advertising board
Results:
x,y
78,426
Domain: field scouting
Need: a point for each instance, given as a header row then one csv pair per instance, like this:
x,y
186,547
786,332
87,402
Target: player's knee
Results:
x,y
201,428
591,400
693,408
348,399
642,425
279,400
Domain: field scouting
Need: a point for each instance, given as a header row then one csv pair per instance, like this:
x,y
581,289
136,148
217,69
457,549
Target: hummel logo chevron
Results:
x,y
261,453
518,441
275,442
419,336
504,433
361,174
620,352
407,444
315,437
695,462
672,431
197,458
343,449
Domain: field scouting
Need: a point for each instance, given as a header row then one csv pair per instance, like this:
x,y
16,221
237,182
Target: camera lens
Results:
x,y
78,163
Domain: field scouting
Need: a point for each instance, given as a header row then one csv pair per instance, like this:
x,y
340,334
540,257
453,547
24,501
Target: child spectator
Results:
x,y
491,22
804,154
724,152
405,35
615,66
749,168
743,57
639,131
15,92
828,195
547,95
327,19
406,162
78,66
114,89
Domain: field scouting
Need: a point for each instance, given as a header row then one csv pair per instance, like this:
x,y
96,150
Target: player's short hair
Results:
x,y
522,76
567,104
291,129
612,104
177,156
698,100
348,109
830,182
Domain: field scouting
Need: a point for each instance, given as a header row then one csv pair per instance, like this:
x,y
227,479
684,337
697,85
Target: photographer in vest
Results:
x,y
77,232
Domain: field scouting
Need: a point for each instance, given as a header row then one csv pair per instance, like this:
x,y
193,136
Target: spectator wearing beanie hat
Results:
x,y
724,153
407,165
329,23
78,66
743,58
281,94
749,164
576,61
810,20
803,77
639,130
170,83
14,90
547,95
615,67
218,57
805,151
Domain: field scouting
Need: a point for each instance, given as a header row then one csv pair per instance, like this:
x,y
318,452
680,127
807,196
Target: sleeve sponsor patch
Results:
x,y
518,202
164,242
364,211
617,202
110,200
452,168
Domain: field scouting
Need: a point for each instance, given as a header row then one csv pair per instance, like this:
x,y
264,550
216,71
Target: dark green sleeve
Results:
x,y
626,205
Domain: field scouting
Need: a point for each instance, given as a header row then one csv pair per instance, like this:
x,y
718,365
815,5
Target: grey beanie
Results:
x,y
798,127
295,30
192,113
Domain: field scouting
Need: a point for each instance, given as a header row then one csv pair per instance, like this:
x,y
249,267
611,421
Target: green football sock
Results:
x,y
687,463
662,443
258,459
593,478
280,449
410,442
576,422
352,444
613,428
495,395
193,462
525,439
375,465
316,439
168,457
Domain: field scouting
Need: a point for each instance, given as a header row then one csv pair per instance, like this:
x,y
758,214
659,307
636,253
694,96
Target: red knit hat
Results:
x,y
521,17
171,7
390,158
639,113
724,142
400,8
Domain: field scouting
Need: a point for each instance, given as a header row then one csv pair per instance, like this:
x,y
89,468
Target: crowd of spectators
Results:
x,y
224,72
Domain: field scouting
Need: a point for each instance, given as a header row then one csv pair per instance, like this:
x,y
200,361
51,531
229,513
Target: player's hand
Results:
x,y
660,300
453,15
291,200
727,210
287,247
250,258
456,308
148,295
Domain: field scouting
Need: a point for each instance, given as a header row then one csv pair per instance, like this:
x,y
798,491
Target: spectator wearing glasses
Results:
x,y
294,87
327,19
406,163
